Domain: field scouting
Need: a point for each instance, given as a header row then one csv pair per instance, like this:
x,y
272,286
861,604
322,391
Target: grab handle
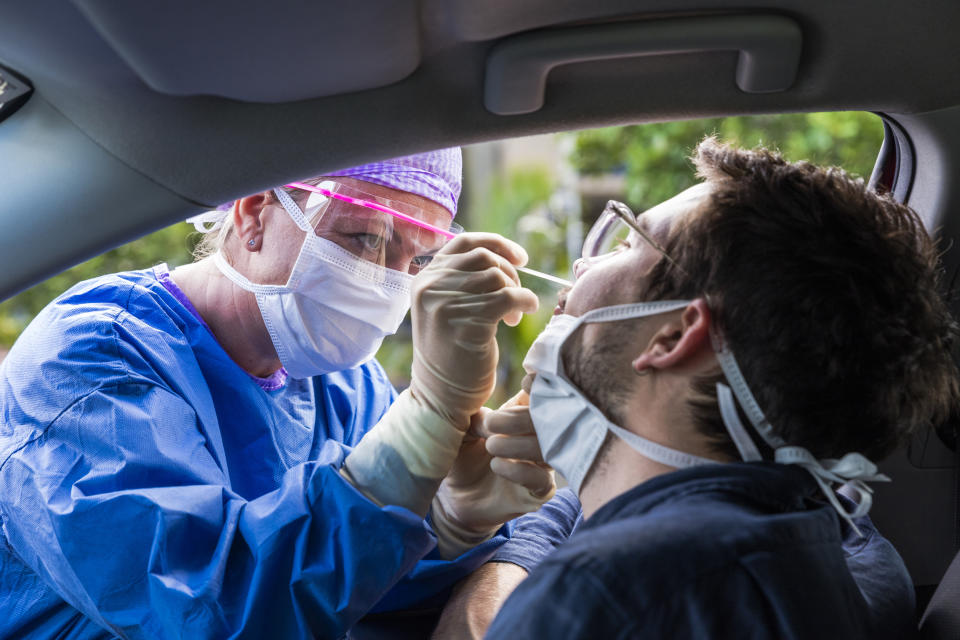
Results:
x,y
517,67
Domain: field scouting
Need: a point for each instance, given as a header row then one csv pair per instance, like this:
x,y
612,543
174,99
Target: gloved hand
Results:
x,y
498,475
458,300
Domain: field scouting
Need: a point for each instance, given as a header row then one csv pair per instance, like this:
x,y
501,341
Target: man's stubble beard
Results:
x,y
599,371
596,371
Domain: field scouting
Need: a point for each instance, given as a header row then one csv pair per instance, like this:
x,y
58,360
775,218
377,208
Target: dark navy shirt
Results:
x,y
742,550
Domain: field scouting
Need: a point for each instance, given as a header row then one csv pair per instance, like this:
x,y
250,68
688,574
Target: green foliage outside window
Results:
x,y
654,157
172,245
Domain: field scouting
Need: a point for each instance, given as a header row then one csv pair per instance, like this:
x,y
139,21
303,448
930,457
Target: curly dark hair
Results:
x,y
829,296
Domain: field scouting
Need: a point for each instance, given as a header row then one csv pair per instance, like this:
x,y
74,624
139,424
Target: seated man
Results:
x,y
757,340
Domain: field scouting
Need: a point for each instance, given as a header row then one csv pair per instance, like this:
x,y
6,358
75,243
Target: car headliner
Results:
x,y
144,113
100,155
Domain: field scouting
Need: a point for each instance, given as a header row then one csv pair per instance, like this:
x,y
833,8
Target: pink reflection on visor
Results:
x,y
369,204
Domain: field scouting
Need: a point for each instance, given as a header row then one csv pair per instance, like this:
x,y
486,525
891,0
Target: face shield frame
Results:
x,y
391,224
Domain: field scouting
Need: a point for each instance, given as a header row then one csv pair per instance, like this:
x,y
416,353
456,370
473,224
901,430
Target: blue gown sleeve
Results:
x,y
127,514
358,399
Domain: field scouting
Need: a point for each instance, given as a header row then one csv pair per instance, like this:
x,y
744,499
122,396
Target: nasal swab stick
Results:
x,y
545,276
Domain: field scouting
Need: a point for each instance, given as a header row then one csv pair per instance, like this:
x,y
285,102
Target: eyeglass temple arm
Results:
x,y
627,216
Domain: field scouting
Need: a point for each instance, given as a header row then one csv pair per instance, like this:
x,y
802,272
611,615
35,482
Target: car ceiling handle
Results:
x,y
517,67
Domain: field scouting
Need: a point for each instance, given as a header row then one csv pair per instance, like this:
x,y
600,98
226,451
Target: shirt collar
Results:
x,y
769,485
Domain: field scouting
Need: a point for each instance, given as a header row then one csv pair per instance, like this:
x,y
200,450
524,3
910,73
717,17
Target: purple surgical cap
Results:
x,y
435,175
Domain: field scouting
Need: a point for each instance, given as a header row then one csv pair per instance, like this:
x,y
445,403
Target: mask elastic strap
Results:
x,y
293,209
633,310
738,433
852,470
212,220
658,452
742,392
337,255
207,221
615,313
241,280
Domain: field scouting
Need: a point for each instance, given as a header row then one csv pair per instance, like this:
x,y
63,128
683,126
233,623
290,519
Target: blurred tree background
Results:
x,y
653,158
546,208
172,245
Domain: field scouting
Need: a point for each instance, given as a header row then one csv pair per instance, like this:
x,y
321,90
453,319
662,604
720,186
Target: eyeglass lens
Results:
x,y
608,234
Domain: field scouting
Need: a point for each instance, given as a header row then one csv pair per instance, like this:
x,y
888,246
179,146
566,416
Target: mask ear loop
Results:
x,y
242,281
738,433
742,391
656,451
207,221
853,470
623,312
293,209
627,311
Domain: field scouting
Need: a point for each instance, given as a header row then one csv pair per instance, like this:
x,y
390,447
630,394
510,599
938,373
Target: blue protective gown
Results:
x,y
149,487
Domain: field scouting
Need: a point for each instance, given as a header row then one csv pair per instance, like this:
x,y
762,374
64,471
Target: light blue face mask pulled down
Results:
x,y
569,427
571,430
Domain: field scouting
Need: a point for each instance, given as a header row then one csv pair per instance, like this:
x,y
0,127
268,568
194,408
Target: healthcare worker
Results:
x,y
177,448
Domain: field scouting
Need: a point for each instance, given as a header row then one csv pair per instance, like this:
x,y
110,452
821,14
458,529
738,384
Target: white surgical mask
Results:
x,y
334,310
571,430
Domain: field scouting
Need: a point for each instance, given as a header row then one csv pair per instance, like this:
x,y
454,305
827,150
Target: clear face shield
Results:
x,y
389,233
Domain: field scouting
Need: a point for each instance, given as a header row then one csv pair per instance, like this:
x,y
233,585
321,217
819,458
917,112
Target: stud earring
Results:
x,y
251,242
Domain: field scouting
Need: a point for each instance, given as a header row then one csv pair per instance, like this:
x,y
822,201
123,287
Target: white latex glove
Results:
x,y
458,301
498,475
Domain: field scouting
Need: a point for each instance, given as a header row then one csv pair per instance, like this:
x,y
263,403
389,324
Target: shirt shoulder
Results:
x,y
566,598
698,566
618,579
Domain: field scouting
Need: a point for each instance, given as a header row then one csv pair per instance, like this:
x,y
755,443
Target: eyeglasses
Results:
x,y
387,232
612,230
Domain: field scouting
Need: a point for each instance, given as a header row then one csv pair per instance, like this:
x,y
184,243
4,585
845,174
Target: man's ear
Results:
x,y
248,222
677,340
